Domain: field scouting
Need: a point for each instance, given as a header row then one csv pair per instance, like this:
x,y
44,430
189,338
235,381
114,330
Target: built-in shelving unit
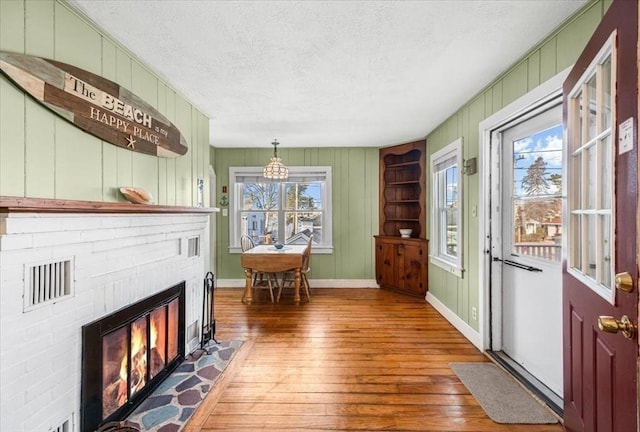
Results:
x,y
401,263
402,182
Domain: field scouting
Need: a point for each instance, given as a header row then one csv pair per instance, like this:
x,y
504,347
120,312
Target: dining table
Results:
x,y
266,258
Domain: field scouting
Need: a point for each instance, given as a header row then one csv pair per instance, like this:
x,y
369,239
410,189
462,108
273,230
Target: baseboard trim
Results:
x,y
315,283
464,328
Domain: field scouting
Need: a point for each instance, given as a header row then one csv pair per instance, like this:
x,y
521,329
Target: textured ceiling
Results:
x,y
327,73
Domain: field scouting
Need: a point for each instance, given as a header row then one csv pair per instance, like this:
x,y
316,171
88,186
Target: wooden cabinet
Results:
x,y
401,263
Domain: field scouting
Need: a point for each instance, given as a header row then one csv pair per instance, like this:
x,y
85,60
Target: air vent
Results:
x,y
47,282
193,247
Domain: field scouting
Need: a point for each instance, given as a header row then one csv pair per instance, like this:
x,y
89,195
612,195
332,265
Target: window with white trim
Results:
x,y
590,173
286,211
446,214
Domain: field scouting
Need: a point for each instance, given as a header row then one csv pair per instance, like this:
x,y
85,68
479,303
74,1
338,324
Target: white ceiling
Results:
x,y
327,73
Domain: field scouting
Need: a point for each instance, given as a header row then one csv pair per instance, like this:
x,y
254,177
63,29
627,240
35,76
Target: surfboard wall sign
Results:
x,y
94,104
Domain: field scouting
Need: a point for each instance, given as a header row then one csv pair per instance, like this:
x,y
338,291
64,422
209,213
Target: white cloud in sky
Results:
x,y
522,145
552,146
549,146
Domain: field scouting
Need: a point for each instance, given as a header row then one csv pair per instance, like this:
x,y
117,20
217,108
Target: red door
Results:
x,y
600,115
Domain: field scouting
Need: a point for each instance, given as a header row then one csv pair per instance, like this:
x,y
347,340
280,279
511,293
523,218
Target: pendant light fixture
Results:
x,y
275,169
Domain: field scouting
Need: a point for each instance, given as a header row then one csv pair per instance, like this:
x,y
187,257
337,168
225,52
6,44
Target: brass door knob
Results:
x,y
611,325
624,282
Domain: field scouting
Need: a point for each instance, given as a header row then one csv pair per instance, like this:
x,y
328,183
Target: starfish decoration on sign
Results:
x,y
131,143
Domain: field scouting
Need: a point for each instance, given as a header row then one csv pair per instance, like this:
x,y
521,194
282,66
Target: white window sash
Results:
x,y
441,161
239,175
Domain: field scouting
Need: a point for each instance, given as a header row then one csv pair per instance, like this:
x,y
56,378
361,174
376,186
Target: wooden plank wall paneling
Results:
x,y
355,207
42,155
557,52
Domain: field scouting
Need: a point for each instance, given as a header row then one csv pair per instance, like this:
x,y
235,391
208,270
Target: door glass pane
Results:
x,y
537,194
605,110
606,246
575,171
576,103
591,245
576,241
592,108
591,178
605,176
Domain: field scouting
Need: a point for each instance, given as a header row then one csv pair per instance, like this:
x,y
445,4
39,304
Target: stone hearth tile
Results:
x,y
208,360
188,383
226,354
186,414
209,372
170,427
154,402
189,398
159,415
185,367
170,383
175,400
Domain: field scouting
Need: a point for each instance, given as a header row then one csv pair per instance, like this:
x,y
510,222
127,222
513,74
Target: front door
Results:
x,y
600,310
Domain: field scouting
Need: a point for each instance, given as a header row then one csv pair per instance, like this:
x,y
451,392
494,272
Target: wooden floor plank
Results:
x,y
350,360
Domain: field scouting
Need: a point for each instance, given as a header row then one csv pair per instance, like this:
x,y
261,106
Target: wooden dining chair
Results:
x,y
246,243
259,279
289,277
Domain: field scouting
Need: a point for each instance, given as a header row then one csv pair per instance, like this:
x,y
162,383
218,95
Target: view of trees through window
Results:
x,y
296,207
537,194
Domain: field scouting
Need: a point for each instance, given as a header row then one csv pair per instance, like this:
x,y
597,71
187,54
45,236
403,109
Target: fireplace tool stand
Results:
x,y
208,314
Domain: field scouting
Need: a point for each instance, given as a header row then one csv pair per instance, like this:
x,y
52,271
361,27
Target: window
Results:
x,y
590,173
446,216
286,211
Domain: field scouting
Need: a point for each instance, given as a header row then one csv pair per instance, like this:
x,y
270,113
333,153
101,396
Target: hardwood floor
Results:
x,y
351,359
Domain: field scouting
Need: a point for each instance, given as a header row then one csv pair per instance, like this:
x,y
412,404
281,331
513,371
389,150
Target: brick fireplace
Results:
x,y
65,270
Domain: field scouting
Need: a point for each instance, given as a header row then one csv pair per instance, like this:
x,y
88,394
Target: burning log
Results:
x,y
114,396
157,362
139,369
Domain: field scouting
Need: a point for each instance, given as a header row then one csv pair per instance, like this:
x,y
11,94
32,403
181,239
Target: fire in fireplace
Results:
x,y
127,354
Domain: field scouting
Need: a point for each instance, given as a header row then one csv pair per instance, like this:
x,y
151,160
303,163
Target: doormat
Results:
x,y
173,403
500,395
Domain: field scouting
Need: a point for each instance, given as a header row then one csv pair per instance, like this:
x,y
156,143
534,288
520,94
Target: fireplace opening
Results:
x,y
127,354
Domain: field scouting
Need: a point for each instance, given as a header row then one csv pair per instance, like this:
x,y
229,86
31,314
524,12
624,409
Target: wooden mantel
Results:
x,y
47,205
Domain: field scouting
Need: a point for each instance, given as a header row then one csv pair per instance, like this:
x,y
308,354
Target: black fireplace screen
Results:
x,y
128,353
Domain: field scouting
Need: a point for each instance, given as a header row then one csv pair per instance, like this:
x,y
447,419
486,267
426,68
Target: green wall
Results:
x,y
553,55
44,156
355,207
